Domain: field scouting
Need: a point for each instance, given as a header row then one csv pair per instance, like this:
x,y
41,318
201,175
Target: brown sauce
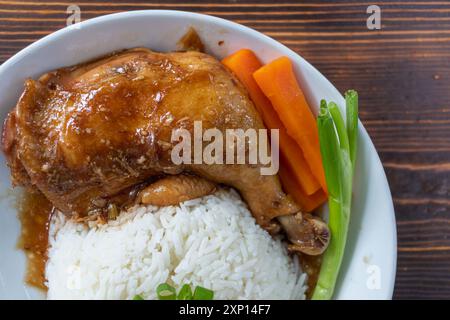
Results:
x,y
191,42
311,266
34,213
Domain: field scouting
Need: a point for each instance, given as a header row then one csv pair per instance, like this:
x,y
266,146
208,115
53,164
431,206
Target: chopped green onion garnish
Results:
x,y
138,297
166,292
185,293
201,293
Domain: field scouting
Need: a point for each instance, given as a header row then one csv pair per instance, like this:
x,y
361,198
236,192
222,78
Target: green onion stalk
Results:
x,y
338,145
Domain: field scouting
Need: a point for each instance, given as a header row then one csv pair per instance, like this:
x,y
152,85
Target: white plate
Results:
x,y
368,270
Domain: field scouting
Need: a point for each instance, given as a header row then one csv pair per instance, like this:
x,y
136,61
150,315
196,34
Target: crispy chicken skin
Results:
x,y
85,133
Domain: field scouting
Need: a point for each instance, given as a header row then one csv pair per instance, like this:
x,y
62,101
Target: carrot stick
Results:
x,y
244,63
307,202
277,81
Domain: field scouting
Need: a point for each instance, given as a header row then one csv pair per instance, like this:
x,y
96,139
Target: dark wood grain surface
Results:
x,y
402,73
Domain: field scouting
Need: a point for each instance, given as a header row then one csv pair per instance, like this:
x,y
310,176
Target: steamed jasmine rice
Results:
x,y
212,242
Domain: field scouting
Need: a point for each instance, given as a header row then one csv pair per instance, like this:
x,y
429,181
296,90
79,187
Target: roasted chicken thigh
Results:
x,y
85,133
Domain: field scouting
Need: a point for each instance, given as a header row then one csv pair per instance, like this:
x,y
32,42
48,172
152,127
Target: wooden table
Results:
x,y
401,73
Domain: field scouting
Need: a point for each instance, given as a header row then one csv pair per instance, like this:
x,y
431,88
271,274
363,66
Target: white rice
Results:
x,y
213,242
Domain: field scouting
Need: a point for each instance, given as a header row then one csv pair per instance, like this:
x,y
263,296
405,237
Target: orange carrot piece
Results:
x,y
308,203
244,63
277,81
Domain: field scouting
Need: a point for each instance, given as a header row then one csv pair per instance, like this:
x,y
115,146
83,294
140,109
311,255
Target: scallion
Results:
x,y
185,293
201,293
166,292
351,101
338,144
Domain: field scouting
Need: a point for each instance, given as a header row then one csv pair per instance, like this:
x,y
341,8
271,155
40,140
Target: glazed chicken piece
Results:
x,y
85,133
172,190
